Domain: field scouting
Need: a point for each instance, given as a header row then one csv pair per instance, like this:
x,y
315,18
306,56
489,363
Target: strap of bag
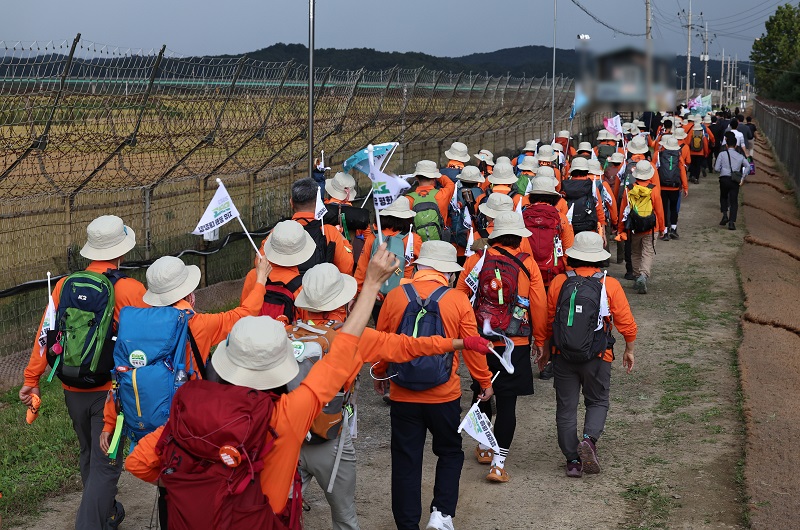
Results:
x,y
294,284
515,259
198,359
730,164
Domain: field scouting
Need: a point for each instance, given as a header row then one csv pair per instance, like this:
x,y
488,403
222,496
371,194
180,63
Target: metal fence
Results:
x,y
781,124
88,129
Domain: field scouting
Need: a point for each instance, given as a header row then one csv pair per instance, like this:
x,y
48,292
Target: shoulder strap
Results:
x,y
571,273
198,359
411,294
437,295
294,284
599,275
114,275
515,259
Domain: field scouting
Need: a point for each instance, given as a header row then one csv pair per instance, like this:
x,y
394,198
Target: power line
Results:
x,y
736,15
612,28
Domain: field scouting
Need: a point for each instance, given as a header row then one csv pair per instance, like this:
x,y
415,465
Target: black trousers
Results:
x,y
670,201
628,258
410,423
728,197
697,164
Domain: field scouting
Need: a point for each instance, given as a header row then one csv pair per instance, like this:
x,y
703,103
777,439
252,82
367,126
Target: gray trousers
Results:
x,y
99,473
317,461
594,377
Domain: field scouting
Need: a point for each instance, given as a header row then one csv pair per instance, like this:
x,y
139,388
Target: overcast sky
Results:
x,y
437,27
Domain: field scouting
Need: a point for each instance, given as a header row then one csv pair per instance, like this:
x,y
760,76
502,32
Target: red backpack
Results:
x,y
544,222
212,451
279,300
498,290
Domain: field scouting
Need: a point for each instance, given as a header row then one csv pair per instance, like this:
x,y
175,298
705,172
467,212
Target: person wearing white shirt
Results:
x,y
730,160
734,128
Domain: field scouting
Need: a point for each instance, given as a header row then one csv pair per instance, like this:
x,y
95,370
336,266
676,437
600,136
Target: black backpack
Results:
x,y
580,194
351,217
421,318
575,333
669,169
324,249
603,152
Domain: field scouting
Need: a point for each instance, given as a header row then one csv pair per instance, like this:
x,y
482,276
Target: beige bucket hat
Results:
x,y
616,158
257,354
427,169
546,171
626,126
530,145
325,289
697,126
547,154
472,175
563,134
638,145
496,204
342,187
644,170
588,246
543,186
557,147
169,279
603,135
107,238
669,142
679,133
595,168
502,160
579,164
529,163
439,255
400,208
584,146
503,174
509,224
707,120
484,155
458,151
289,244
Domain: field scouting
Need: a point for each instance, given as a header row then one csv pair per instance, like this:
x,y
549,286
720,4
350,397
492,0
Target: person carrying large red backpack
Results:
x,y
551,233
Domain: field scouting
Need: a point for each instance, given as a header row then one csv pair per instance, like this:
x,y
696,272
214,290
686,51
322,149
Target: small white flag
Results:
x,y
504,359
570,212
49,321
410,246
605,311
518,209
472,278
319,210
470,241
385,188
529,186
467,218
477,425
220,210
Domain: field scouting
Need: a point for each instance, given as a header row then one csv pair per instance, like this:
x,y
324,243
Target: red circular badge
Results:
x,y
230,456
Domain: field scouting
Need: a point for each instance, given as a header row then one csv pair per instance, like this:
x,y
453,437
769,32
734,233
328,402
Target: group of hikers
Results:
x,y
499,264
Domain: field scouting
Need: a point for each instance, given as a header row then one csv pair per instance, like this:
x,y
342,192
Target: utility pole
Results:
x,y
649,60
722,78
310,87
705,61
689,52
553,95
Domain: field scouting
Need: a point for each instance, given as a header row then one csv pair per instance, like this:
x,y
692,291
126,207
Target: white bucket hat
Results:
x,y
579,164
616,158
557,147
169,279
603,135
584,146
107,238
638,145
289,244
595,168
400,208
458,151
563,134
496,204
503,174
546,171
547,154
707,120
644,170
439,255
588,246
342,187
484,155
670,142
626,126
502,159
679,133
697,126
257,354
530,145
325,289
529,163
509,224
543,186
472,175
427,169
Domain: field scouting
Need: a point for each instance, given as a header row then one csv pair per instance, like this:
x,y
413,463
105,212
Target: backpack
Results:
x,y
669,169
544,223
641,217
450,172
212,451
150,346
84,329
395,245
279,299
580,193
421,318
324,249
311,343
350,218
459,232
603,152
428,223
696,145
575,333
498,291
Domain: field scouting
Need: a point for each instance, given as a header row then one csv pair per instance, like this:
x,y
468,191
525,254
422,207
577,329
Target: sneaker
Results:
x,y
704,173
574,469
547,373
484,456
731,226
497,474
641,284
119,515
664,237
630,276
724,220
588,454
673,233
439,521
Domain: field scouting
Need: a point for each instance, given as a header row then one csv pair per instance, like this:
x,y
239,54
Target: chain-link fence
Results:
x,y
781,124
89,129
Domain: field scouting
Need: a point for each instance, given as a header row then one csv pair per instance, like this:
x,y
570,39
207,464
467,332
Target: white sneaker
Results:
x,y
439,521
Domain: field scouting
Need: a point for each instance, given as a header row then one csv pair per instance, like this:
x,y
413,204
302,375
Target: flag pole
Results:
x,y
244,228
49,291
370,150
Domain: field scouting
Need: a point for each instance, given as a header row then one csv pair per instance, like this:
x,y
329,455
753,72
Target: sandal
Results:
x,y
497,474
484,456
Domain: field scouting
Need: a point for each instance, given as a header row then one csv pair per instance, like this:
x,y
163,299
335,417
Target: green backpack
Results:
x,y
395,245
428,223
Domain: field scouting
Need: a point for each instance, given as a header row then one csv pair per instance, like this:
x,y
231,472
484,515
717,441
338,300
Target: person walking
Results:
x,y
672,176
733,168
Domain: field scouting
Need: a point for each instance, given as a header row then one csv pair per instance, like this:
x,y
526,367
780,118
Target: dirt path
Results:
x,y
674,438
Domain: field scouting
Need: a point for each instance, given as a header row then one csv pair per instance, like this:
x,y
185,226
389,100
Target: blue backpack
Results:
x,y
450,172
150,346
422,319
458,231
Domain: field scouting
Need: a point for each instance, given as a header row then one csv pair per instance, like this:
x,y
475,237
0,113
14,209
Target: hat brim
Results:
x,y
339,194
648,176
290,260
439,265
452,156
259,379
173,295
526,167
503,181
482,159
428,175
490,212
638,151
573,169
551,158
497,232
120,249
543,192
479,180
408,214
344,296
590,257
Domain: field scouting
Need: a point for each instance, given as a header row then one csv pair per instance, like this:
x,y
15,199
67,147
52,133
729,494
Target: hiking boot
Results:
x,y
731,226
484,456
704,173
547,373
497,474
673,233
664,237
574,469
439,521
641,284
630,276
118,515
588,454
724,220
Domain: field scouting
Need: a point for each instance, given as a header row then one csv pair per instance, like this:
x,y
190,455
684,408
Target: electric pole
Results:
x,y
722,78
649,60
705,61
689,53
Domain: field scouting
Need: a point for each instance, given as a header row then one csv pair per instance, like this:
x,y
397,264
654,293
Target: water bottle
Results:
x,y
518,315
180,375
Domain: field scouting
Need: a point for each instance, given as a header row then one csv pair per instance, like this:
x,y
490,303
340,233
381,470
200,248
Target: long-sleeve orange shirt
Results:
x,y
621,315
444,194
658,206
343,254
533,289
127,291
458,321
369,240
